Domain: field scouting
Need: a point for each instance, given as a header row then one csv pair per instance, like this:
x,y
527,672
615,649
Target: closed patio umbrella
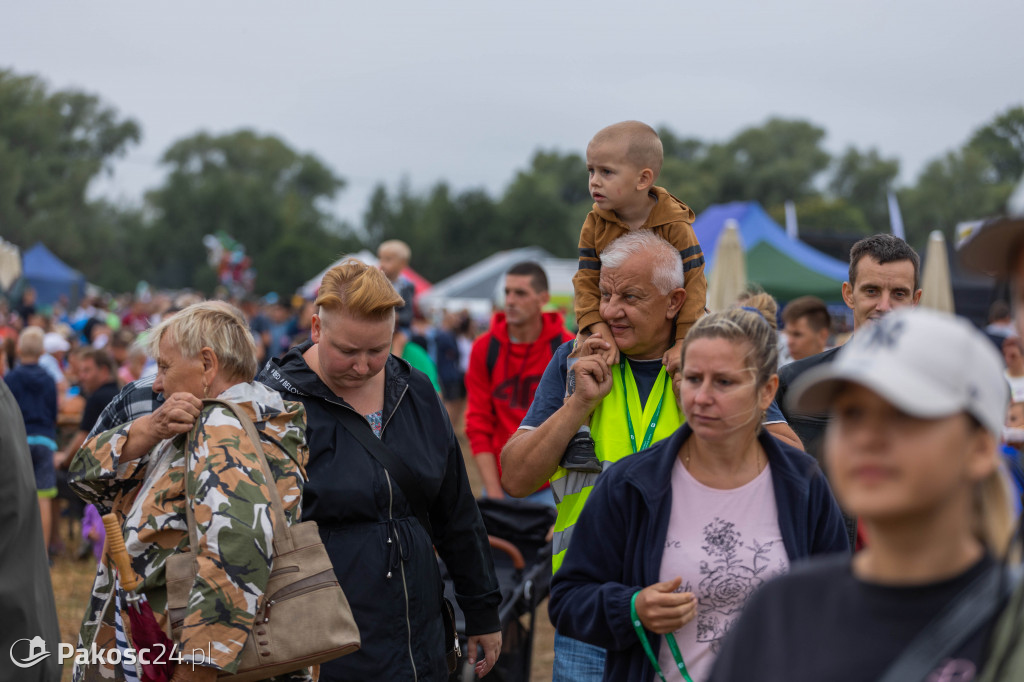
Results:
x,y
729,274
936,283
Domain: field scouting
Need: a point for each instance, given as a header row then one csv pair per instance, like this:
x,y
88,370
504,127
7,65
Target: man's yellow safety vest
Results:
x,y
611,430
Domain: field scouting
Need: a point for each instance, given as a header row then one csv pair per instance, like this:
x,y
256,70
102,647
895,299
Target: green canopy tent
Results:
x,y
785,268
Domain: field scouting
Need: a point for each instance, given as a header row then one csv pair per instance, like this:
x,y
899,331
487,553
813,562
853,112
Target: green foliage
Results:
x,y
951,189
256,189
547,204
862,180
274,199
114,246
544,205
52,145
821,215
773,163
681,148
1002,144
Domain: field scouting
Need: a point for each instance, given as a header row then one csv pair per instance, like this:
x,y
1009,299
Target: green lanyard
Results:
x,y
649,436
637,625
670,638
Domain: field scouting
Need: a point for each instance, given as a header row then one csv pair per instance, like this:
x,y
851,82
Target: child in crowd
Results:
x,y
623,162
913,453
394,256
36,395
133,366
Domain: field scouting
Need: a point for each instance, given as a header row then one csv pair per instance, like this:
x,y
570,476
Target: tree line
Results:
x,y
274,199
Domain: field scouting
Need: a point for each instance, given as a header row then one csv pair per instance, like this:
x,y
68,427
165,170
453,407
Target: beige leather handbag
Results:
x,y
303,618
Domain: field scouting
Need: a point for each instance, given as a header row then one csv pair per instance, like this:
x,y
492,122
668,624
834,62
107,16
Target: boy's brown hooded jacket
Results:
x,y
670,219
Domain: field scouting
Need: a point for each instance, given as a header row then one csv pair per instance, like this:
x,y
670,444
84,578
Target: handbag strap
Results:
x,y
282,532
392,463
968,611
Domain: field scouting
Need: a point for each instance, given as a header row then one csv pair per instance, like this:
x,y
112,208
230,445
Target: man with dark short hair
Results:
x,y
807,324
97,376
885,274
505,366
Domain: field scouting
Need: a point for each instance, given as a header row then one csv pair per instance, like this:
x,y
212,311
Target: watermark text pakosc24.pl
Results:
x,y
26,653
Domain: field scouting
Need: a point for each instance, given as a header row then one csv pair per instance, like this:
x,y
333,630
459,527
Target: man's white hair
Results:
x,y
667,265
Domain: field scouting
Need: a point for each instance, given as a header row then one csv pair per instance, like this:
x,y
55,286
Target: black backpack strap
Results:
x,y
396,468
971,609
493,348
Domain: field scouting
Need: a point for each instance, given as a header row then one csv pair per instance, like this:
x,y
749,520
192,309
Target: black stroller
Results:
x,y
522,559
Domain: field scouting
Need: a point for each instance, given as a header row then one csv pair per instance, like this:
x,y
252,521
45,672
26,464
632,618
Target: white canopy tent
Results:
x,y
480,287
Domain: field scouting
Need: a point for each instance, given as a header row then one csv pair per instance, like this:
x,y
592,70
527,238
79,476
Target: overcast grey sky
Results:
x,y
467,91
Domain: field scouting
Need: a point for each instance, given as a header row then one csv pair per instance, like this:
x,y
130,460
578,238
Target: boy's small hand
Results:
x,y
603,343
611,355
596,345
673,358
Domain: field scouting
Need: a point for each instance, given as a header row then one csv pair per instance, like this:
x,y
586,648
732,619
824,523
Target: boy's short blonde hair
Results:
x,y
358,289
643,146
30,343
214,324
396,247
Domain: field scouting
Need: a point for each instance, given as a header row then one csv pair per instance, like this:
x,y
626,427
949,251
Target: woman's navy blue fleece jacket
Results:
x,y
618,542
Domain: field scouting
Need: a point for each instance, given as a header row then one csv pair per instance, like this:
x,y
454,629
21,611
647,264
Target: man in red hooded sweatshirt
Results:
x,y
505,367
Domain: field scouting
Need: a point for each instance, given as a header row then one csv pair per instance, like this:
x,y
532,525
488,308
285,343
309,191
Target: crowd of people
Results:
x,y
734,501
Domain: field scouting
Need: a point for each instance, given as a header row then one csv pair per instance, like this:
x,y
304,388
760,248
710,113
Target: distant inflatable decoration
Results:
x,y
234,268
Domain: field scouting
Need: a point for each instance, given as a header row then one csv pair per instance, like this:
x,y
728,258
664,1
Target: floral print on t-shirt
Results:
x,y
732,573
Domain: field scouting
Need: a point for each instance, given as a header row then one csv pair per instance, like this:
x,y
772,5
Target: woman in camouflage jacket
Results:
x,y
137,470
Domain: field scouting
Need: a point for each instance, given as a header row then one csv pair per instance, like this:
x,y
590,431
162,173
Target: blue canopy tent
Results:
x,y
50,276
785,268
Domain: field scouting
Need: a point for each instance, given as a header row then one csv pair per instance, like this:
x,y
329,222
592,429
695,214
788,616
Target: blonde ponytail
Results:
x,y
994,519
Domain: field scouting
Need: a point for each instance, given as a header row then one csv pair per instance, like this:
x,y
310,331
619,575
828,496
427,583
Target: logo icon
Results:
x,y
36,652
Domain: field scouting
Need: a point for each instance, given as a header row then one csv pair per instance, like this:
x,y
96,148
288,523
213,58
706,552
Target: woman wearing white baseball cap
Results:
x,y
917,402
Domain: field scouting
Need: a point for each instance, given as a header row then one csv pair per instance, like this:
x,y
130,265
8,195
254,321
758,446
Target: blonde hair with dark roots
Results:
x,y
359,290
643,146
214,324
739,325
755,297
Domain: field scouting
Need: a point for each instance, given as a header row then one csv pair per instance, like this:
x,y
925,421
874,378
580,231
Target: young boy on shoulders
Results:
x,y
623,162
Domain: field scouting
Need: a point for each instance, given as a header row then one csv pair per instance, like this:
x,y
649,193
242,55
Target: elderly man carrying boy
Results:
x,y
623,163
